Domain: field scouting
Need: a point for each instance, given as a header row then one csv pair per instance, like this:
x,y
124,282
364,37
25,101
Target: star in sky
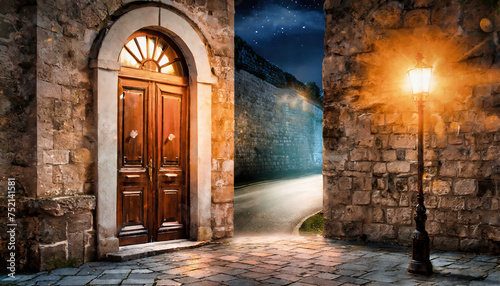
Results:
x,y
288,33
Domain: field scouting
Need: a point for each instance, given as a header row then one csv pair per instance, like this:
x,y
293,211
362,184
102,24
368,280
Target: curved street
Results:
x,y
275,207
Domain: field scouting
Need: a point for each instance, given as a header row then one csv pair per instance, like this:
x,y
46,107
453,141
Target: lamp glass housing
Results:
x,y
420,79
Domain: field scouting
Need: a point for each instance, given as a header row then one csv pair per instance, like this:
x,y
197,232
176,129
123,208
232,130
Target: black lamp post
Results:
x,y
420,78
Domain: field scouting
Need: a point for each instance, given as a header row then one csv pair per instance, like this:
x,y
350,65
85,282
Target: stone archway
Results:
x,y
106,67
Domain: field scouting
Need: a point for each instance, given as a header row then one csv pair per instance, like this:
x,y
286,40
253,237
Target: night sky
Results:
x,y
288,33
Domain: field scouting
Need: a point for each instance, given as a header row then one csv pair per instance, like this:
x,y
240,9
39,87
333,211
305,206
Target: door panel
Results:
x,y
170,135
153,159
133,141
133,218
133,131
170,220
172,174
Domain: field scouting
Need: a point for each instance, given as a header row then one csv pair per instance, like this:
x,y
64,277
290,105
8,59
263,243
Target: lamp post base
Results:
x,y
420,267
420,262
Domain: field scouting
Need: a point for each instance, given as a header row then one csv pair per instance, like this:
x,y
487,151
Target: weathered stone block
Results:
x,y
455,139
444,216
457,230
361,166
76,246
384,198
400,154
404,200
378,215
468,217
389,155
67,140
439,142
90,246
223,194
412,155
380,168
434,228
62,109
398,167
464,187
361,198
379,232
345,183
402,141
448,169
70,175
399,216
454,152
354,213
351,229
493,153
339,197
454,203
380,184
52,230
431,202
467,169
441,187
48,89
52,254
80,222
359,155
405,234
228,166
364,184
400,184
56,157
389,15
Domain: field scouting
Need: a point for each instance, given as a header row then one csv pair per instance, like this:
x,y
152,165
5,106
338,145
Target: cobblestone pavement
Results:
x,y
278,261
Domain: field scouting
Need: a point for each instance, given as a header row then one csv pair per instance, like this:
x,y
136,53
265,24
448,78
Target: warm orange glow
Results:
x,y
420,79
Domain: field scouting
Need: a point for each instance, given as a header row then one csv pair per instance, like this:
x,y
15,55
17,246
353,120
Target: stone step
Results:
x,y
137,251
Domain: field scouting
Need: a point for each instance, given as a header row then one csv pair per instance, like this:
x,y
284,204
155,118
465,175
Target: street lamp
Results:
x,y
420,78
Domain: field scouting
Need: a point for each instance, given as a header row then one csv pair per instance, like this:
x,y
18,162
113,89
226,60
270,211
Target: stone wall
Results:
x,y
17,109
50,139
17,95
370,122
278,131
247,59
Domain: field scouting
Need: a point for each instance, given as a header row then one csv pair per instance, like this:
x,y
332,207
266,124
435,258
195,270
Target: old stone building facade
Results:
x,y
278,124
370,125
62,72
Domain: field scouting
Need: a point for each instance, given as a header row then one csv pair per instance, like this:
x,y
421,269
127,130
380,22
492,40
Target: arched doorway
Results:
x,y
107,70
153,167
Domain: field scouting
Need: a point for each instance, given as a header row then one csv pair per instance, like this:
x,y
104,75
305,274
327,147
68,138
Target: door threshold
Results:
x,y
137,251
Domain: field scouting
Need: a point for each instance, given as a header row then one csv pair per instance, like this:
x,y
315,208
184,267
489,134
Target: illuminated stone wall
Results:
x,y
370,122
277,131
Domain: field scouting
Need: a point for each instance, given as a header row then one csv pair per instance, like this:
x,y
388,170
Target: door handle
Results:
x,y
171,175
150,169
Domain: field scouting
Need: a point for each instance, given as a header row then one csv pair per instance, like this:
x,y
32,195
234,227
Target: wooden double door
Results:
x,y
152,162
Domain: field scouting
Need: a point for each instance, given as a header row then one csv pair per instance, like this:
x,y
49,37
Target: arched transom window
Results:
x,y
147,50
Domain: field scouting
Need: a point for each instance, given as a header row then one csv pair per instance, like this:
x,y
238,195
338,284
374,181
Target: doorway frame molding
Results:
x,y
106,66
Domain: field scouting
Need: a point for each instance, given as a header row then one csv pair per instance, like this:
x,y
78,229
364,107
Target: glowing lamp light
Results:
x,y
420,77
